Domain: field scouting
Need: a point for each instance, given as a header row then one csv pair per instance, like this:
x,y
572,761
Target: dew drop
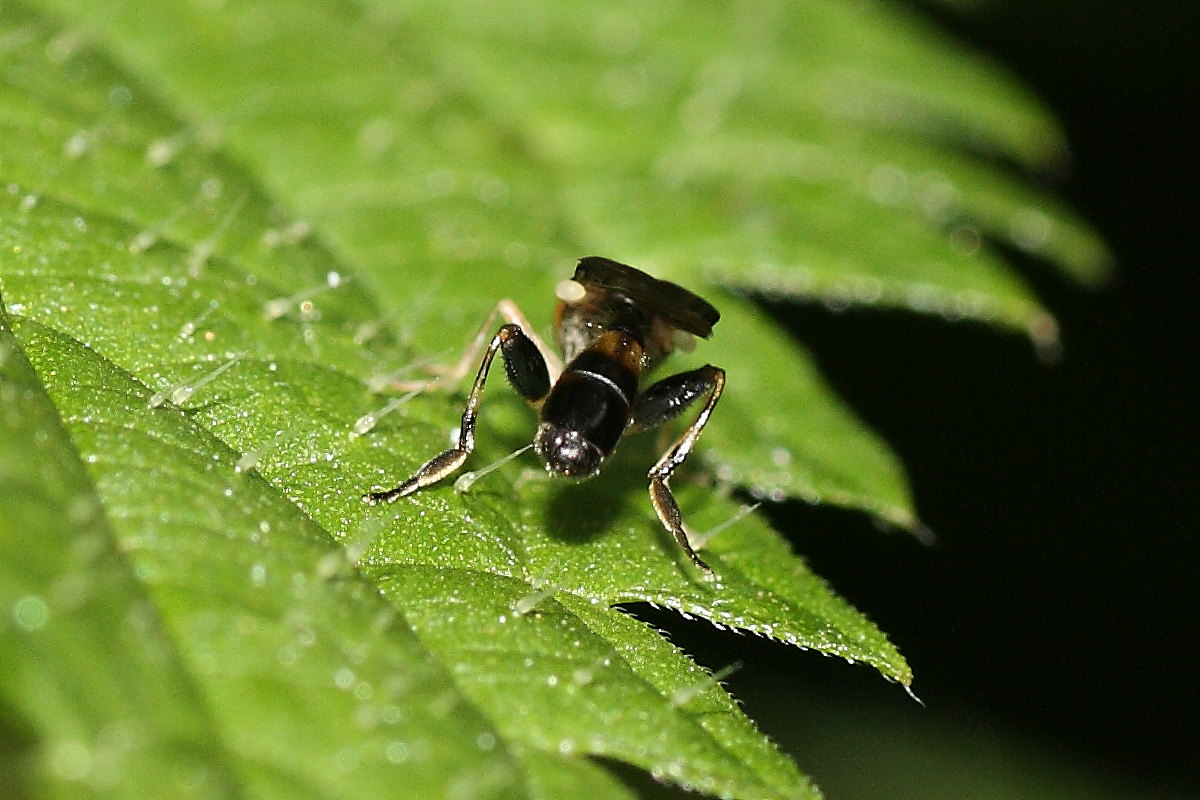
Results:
x,y
397,752
31,613
344,678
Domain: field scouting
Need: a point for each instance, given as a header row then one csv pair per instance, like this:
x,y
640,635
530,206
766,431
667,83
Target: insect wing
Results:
x,y
668,300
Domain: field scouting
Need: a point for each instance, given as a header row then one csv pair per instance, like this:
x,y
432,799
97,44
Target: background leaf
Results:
x,y
205,206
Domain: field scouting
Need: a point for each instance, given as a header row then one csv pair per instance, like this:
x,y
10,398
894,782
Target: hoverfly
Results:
x,y
614,324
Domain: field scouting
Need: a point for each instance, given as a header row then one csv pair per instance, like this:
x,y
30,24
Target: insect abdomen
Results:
x,y
596,390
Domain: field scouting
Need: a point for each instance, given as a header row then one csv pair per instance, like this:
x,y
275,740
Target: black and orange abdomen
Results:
x,y
592,399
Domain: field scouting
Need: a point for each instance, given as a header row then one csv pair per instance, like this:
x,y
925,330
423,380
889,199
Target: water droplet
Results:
x,y
1029,229
31,613
343,678
397,752
76,145
163,151
71,760
966,240
120,97
889,185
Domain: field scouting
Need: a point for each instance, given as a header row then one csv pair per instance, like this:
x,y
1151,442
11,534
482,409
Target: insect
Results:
x,y
614,324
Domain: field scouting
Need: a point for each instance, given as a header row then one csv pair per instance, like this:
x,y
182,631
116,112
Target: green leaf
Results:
x,y
85,656
271,648
222,224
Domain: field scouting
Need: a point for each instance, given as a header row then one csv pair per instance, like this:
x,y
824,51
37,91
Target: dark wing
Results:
x,y
668,300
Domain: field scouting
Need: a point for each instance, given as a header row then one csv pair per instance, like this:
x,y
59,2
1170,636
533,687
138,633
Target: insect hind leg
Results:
x,y
661,402
448,377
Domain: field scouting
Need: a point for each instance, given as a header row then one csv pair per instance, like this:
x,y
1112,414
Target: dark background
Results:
x,y
1053,626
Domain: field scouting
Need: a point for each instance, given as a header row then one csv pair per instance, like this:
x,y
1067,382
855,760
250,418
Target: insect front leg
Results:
x,y
527,373
658,404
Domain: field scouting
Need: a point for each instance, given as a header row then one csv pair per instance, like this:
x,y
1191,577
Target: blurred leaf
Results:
x,y
224,223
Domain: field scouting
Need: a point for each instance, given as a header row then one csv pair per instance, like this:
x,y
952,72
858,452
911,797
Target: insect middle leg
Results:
x,y
527,372
658,404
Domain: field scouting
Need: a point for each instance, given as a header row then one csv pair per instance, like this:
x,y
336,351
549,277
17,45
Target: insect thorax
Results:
x,y
578,325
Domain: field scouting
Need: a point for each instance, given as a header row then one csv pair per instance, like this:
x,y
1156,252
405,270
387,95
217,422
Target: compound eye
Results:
x,y
567,452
